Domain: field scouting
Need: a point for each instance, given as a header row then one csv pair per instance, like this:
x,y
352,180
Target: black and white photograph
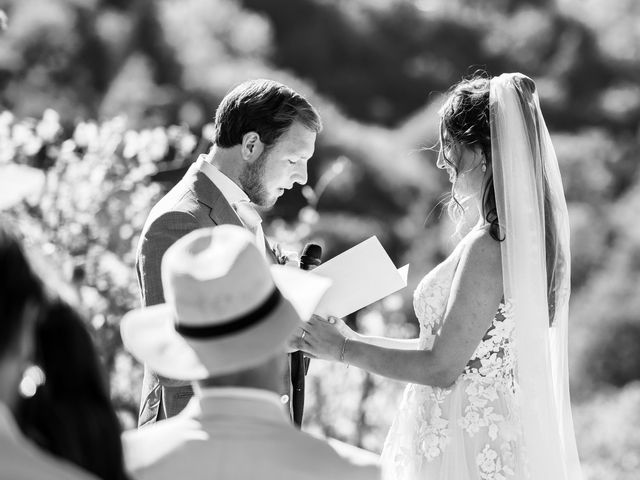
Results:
x,y
319,239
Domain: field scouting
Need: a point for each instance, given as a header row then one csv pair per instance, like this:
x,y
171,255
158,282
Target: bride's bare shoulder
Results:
x,y
482,253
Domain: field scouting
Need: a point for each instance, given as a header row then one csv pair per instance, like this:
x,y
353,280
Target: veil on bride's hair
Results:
x,y
536,267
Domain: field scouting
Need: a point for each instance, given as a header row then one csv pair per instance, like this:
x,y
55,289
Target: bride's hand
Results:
x,y
342,327
323,338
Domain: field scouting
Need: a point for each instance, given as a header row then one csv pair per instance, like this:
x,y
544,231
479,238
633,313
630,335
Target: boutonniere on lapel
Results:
x,y
286,257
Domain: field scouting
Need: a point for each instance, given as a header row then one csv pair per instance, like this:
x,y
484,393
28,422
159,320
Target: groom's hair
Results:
x,y
262,106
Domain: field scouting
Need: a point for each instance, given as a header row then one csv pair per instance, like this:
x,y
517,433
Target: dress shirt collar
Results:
x,y
230,190
248,402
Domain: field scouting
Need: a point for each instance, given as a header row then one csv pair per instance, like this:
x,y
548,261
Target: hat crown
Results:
x,y
214,276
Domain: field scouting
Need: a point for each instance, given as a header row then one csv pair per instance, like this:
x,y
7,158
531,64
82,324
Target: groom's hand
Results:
x,y
295,342
322,339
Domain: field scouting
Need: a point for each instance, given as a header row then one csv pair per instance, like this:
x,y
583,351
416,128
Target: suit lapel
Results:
x,y
221,212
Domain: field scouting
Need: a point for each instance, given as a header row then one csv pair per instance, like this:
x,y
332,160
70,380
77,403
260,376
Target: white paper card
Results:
x,y
360,276
404,273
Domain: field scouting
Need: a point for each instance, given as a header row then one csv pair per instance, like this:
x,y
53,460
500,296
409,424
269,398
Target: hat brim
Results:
x,y
18,182
149,333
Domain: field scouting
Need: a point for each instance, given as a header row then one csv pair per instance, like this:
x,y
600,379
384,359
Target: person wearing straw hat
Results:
x,y
263,136
224,327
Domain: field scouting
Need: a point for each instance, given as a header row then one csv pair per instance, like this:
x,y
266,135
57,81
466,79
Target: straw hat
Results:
x,y
226,309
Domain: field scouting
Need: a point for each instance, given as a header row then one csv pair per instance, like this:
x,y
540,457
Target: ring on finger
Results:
x,y
304,332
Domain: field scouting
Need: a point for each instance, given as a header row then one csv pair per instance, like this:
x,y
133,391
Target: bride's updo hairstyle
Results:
x,y
465,118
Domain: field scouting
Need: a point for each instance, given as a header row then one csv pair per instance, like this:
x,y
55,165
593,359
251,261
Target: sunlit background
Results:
x,y
113,101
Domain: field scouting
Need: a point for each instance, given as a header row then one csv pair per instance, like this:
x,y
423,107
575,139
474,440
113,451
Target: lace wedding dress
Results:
x,y
470,430
508,415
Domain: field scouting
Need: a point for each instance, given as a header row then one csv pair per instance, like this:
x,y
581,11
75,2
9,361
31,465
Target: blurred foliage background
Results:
x,y
112,99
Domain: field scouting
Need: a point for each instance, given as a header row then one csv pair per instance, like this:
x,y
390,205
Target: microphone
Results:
x,y
311,255
310,259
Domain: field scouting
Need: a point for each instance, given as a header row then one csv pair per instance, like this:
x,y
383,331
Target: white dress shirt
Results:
x,y
236,434
237,198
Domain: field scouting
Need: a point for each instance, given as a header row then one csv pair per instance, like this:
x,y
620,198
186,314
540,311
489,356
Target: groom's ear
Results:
x,y
252,147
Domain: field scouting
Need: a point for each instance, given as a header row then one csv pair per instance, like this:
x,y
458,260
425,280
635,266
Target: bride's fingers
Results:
x,y
319,323
318,319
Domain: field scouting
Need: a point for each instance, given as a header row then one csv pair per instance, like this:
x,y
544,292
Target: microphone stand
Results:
x,y
309,259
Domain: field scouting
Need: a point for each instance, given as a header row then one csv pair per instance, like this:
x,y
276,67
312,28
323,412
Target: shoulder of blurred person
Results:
x,y
22,460
22,303
239,434
71,415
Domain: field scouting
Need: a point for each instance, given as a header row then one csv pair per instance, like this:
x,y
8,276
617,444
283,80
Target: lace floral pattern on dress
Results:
x,y
471,429
488,408
491,391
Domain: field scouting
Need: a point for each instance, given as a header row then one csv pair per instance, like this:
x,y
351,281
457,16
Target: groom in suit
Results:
x,y
264,135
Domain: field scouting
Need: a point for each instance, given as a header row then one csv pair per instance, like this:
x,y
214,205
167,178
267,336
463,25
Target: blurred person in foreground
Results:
x,y
22,300
71,414
488,393
264,135
224,328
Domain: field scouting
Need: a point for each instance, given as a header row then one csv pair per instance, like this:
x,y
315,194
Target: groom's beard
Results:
x,y
252,181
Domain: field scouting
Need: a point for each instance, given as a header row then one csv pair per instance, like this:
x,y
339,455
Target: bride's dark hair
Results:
x,y
465,117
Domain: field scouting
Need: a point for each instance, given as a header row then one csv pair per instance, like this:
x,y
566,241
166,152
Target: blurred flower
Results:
x,y
208,131
308,215
187,144
32,146
371,322
21,134
86,135
49,127
131,144
7,152
339,165
98,321
6,118
393,302
309,194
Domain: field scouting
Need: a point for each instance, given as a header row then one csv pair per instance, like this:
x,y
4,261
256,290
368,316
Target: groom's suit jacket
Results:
x,y
194,202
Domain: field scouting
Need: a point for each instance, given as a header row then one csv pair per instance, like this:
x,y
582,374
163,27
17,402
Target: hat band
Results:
x,y
248,319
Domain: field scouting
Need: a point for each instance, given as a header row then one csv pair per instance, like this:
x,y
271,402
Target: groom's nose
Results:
x,y
440,163
300,175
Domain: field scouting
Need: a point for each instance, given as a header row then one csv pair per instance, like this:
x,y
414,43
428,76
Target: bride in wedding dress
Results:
x,y
487,395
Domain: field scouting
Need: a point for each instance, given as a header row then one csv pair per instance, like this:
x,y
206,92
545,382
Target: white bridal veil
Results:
x,y
536,266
